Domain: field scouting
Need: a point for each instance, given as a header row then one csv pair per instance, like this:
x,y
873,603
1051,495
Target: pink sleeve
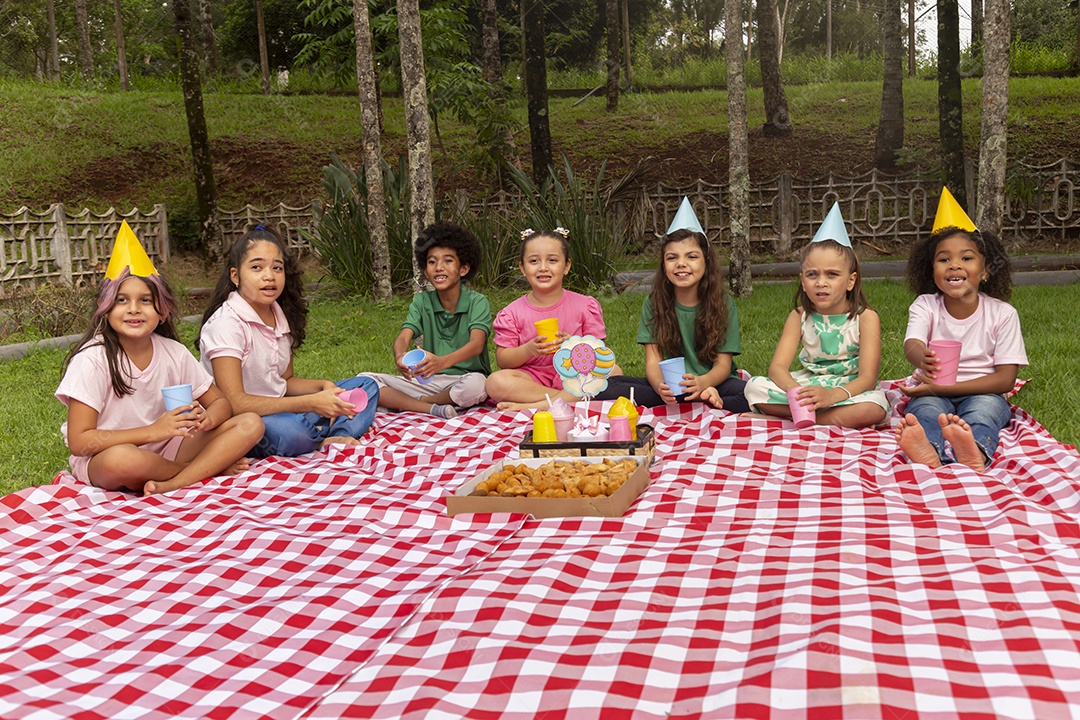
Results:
x,y
222,337
1010,349
507,328
593,318
920,319
193,372
85,380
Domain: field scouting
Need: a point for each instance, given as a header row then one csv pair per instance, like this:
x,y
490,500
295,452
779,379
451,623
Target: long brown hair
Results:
x,y
101,332
291,301
712,318
856,298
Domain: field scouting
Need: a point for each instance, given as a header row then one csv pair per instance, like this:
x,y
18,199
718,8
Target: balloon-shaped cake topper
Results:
x,y
584,362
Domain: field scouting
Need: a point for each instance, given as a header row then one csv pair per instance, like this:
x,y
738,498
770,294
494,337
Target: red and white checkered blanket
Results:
x,y
765,572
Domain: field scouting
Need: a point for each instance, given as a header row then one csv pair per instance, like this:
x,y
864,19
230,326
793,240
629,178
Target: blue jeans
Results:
x,y
986,414
291,434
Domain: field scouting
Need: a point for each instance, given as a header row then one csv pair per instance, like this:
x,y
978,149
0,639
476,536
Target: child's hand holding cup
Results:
x,y
176,396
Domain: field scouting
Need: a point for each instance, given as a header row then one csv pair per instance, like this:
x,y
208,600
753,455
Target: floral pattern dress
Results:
x,y
830,358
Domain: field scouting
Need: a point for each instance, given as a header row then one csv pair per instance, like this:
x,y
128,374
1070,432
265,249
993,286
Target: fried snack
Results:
x,y
558,479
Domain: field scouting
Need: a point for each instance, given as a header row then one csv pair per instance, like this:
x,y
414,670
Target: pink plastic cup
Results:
x,y
619,430
563,425
803,416
948,353
356,397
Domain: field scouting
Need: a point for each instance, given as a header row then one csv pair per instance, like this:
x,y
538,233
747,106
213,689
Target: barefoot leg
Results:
x,y
858,415
212,452
966,450
339,440
516,390
911,438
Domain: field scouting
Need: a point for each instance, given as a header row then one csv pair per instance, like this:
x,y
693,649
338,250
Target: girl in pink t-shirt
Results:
x,y
963,282
528,376
119,433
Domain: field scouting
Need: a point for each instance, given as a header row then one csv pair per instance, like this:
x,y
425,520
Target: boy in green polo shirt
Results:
x,y
453,322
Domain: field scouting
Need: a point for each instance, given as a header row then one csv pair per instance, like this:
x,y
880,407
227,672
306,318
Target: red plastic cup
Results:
x,y
948,355
803,415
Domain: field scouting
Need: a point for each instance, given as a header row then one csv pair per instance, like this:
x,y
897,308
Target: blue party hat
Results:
x,y
832,228
685,219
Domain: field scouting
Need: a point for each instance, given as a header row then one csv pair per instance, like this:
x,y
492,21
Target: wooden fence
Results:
x,y
883,211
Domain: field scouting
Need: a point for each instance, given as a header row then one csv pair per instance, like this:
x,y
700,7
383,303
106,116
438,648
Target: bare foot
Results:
x,y
912,440
150,488
339,440
236,468
507,406
964,447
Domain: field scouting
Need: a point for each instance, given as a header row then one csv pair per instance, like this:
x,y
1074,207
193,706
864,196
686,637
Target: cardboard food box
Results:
x,y
645,445
614,505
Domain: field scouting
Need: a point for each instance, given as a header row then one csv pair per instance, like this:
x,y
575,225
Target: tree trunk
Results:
x,y
264,58
54,42
414,87
777,119
611,10
890,132
738,157
121,57
191,85
532,29
950,106
828,29
990,203
976,27
624,6
209,40
911,38
372,141
82,20
490,32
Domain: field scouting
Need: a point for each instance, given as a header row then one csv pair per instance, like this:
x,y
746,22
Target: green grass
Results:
x,y
346,336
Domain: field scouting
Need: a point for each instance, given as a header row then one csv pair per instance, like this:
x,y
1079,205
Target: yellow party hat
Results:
x,y
128,252
950,214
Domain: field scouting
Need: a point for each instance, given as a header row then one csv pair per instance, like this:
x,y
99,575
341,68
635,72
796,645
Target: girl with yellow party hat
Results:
x,y
118,430
963,281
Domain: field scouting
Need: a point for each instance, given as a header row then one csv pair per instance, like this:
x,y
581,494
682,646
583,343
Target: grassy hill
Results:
x,y
97,149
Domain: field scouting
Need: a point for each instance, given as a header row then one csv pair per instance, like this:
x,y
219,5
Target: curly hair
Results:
x,y
856,298
527,236
164,304
291,301
454,237
920,265
712,317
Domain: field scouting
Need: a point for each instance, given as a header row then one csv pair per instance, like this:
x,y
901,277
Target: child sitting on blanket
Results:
x,y
256,319
840,337
963,281
119,432
454,322
527,377
687,315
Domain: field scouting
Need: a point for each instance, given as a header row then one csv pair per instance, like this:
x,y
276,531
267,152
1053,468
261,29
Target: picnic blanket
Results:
x,y
764,573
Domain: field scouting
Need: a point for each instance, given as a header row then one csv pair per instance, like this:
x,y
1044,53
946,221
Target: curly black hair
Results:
x,y
920,265
454,237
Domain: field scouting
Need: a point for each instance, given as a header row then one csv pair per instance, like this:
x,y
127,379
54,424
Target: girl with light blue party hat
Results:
x,y
119,432
687,314
837,336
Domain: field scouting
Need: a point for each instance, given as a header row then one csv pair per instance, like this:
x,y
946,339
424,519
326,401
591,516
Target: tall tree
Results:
x,y
950,105
191,85
890,132
264,57
209,39
414,87
493,74
611,11
624,7
82,24
976,27
121,56
777,118
372,142
911,38
54,42
532,28
992,146
738,156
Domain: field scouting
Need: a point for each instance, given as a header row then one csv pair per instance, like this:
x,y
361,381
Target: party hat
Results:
x,y
950,214
128,252
685,219
832,228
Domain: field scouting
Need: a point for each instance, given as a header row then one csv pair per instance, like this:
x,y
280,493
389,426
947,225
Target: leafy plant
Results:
x,y
341,236
50,310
